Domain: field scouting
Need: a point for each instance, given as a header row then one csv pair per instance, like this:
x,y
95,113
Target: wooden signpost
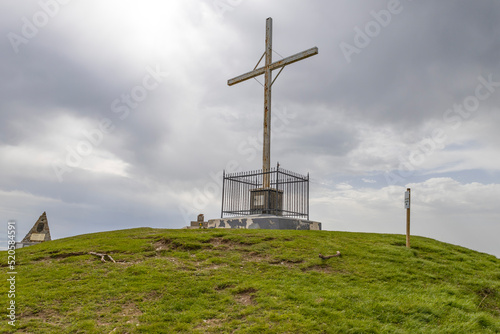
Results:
x,y
407,207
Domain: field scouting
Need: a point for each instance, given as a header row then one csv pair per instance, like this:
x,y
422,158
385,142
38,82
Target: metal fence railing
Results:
x,y
287,196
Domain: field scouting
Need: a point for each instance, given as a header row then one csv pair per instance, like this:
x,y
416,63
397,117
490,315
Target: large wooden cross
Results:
x,y
267,71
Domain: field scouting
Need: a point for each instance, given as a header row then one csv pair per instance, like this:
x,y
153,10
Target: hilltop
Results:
x,y
253,281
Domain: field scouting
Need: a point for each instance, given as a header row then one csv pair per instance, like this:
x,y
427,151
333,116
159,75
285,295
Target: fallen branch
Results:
x,y
103,256
482,300
326,257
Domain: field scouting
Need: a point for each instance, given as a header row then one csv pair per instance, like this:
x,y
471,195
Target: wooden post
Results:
x,y
266,152
407,206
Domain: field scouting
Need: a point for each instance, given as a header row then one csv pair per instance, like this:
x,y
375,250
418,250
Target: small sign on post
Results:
x,y
407,207
407,199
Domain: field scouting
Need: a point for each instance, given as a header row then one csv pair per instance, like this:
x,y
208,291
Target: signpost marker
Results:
x,y
407,207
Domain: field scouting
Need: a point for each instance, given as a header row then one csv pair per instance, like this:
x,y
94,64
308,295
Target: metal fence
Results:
x,y
243,194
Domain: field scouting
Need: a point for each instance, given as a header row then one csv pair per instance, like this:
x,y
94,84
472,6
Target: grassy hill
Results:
x,y
253,281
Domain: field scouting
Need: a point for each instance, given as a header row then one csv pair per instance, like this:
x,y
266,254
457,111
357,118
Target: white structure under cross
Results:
x,y
267,71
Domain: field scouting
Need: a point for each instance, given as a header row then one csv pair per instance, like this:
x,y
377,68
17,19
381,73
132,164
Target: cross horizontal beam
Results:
x,y
280,63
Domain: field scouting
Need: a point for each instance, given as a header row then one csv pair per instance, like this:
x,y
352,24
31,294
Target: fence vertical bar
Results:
x,y
223,181
276,208
307,196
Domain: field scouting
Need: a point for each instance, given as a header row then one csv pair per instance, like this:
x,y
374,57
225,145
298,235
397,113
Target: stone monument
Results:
x,y
199,223
39,233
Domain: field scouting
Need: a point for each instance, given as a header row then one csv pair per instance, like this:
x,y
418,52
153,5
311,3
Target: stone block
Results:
x,y
264,221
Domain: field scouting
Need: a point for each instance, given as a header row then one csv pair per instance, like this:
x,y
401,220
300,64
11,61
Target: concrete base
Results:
x,y
26,244
263,221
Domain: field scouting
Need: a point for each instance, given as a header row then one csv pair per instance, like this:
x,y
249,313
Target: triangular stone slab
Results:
x,y
39,232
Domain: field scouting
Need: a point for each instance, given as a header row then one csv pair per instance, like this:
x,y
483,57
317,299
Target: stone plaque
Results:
x,y
258,200
37,237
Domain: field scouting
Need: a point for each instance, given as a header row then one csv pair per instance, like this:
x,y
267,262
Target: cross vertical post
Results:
x,y
266,152
267,70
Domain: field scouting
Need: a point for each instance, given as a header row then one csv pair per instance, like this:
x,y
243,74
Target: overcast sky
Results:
x,y
117,114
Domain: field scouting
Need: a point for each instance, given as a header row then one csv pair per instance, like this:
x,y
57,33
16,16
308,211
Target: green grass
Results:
x,y
253,281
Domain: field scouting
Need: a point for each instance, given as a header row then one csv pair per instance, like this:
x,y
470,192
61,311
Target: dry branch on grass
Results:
x,y
103,256
325,257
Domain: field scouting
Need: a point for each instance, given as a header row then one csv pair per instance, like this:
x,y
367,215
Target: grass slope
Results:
x,y
253,281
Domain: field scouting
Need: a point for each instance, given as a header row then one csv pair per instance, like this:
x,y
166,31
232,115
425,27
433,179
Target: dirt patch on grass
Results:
x,y
42,315
163,244
209,324
128,314
320,268
245,299
174,260
62,255
220,243
246,296
214,266
256,257
55,255
30,319
131,312
169,244
260,257
288,262
325,268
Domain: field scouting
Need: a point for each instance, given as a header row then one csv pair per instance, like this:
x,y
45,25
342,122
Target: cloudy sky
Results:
x,y
117,114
